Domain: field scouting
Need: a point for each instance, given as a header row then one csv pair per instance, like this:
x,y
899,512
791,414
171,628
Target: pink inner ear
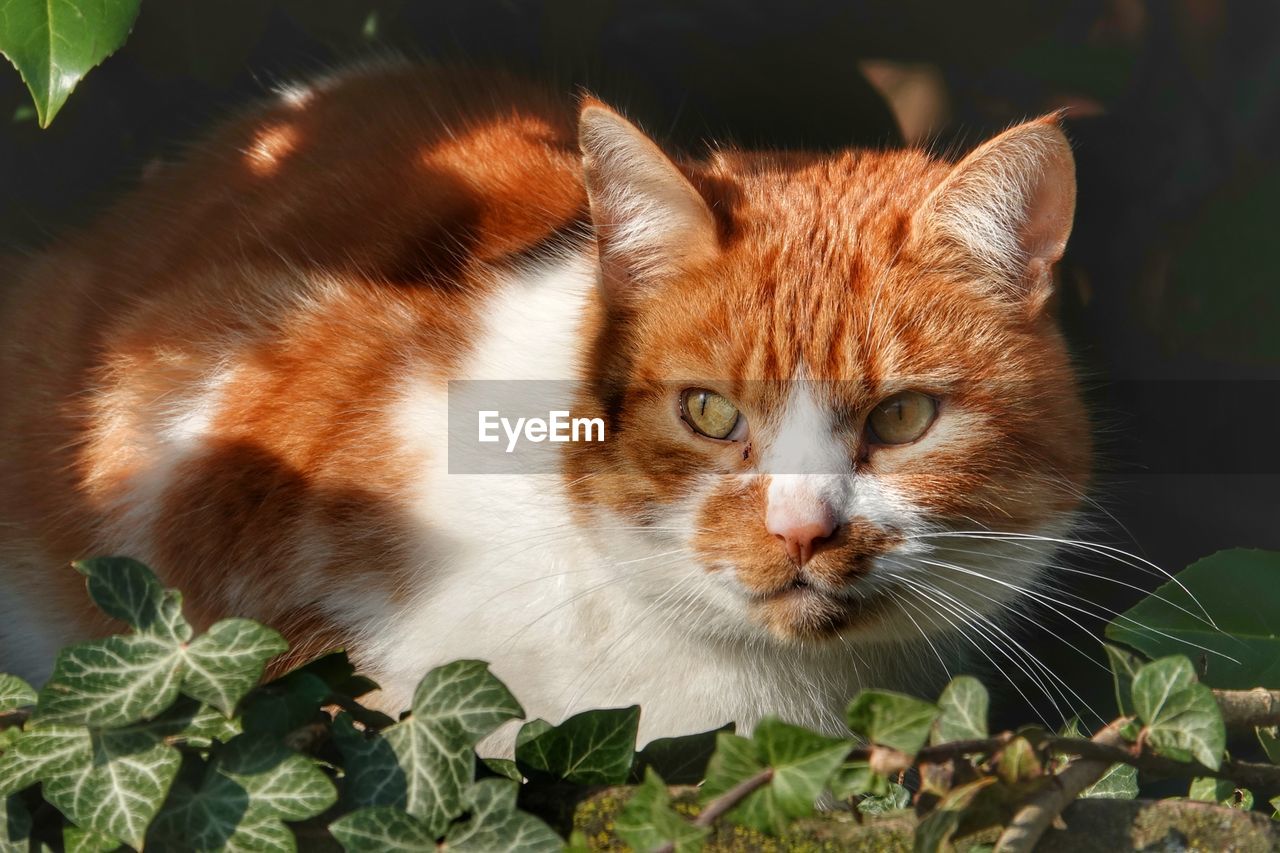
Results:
x,y
1009,206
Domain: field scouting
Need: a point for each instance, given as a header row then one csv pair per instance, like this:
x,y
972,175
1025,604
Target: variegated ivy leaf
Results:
x,y
1182,718
78,840
111,782
963,705
591,748
892,719
127,590
382,829
493,823
454,707
121,679
15,693
239,799
1120,782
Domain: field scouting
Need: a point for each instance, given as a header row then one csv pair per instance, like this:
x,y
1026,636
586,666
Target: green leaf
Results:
x,y
1210,790
494,823
283,705
54,43
895,798
1018,762
803,763
1249,635
124,678
892,719
591,748
1182,718
1120,782
374,776
111,682
15,826
224,663
454,707
15,693
129,591
963,706
238,800
382,829
678,760
1124,666
77,840
110,781
648,821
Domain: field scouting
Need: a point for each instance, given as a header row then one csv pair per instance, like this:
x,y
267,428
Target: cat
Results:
x,y
820,378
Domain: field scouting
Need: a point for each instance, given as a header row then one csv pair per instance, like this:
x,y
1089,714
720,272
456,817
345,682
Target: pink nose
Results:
x,y
803,536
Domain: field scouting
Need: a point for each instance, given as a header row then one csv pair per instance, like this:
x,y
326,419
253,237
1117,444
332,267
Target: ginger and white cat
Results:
x,y
818,374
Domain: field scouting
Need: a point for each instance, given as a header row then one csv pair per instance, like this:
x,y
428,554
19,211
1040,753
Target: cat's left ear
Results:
x,y
1007,208
650,221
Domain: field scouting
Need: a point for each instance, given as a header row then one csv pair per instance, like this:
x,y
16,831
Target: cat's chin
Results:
x,y
804,614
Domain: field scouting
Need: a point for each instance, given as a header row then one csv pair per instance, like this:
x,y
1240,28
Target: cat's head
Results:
x,y
837,399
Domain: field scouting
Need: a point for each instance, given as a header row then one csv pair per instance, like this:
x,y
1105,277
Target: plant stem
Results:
x,y
1035,816
726,801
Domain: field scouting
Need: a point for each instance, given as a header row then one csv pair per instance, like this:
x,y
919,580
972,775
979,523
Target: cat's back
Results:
x,y
271,279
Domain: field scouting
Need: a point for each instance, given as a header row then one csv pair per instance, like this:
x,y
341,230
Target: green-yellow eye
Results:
x,y
711,415
902,418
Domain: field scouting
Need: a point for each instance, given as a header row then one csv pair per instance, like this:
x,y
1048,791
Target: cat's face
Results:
x,y
826,376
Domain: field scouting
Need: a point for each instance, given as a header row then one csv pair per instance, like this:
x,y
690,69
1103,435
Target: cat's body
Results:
x,y
240,377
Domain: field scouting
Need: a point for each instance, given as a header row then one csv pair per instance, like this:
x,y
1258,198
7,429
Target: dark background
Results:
x,y
1169,290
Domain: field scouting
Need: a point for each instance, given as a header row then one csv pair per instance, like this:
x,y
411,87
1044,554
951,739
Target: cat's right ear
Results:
x,y
650,222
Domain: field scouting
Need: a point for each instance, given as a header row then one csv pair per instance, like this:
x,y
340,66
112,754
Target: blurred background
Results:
x,y
1170,290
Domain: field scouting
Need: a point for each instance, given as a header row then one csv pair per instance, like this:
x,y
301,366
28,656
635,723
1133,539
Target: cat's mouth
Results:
x,y
803,611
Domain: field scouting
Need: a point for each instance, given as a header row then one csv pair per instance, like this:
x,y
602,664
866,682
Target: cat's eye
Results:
x,y
902,418
708,413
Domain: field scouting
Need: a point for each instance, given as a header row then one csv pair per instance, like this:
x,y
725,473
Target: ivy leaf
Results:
x,y
111,781
678,760
1018,762
1120,782
1241,644
283,705
15,693
127,590
15,826
224,664
963,709
454,707
591,748
240,798
495,823
382,829
892,719
802,762
54,43
648,821
373,776
124,678
77,840
1124,667
1210,790
1182,718
895,798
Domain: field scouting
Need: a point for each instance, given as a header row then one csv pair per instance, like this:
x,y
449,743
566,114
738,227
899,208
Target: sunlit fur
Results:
x,y
239,376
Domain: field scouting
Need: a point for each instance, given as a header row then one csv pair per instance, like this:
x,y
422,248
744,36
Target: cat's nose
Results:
x,y
803,534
